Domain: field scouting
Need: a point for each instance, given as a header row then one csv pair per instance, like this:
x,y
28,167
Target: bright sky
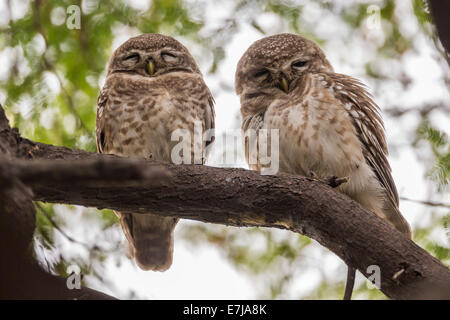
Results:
x,y
202,272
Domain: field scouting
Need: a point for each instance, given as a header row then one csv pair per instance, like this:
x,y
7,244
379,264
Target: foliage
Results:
x,y
440,146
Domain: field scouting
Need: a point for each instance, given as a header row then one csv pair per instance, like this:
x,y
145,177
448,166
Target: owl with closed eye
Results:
x,y
328,123
153,87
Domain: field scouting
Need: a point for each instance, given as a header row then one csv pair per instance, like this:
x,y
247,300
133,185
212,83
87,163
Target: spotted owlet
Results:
x,y
153,87
328,124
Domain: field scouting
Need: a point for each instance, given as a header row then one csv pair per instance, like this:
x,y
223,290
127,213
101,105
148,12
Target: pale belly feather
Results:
x,y
321,141
146,130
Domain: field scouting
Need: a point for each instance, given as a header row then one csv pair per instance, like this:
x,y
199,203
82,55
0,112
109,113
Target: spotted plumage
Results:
x,y
152,88
328,123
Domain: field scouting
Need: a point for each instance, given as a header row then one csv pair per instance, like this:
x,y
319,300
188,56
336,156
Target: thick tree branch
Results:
x,y
233,197
97,172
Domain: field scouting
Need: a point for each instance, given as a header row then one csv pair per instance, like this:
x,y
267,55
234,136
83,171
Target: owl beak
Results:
x,y
151,67
284,84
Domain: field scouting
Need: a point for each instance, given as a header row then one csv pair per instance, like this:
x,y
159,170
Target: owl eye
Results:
x,y
169,57
134,57
260,74
299,64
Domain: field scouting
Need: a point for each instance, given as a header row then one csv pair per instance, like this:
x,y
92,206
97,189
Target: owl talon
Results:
x,y
313,175
334,181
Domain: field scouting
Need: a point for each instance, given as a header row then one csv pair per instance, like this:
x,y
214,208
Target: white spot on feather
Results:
x,y
354,114
100,111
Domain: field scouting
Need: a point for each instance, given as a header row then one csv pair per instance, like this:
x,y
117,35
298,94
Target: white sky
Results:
x,y
202,272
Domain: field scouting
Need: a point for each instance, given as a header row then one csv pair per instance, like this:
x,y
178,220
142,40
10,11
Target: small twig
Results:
x,y
94,248
350,283
55,225
428,203
424,110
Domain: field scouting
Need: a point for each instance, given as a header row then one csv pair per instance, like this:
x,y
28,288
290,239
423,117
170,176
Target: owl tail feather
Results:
x,y
150,238
395,217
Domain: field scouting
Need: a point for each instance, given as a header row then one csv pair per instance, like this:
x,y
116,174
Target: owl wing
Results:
x,y
366,119
210,116
102,102
197,97
253,123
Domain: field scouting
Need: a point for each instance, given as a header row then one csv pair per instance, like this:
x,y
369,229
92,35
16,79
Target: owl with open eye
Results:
x,y
153,87
328,123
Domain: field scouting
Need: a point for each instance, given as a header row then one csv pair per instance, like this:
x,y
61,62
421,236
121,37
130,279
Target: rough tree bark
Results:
x,y
233,197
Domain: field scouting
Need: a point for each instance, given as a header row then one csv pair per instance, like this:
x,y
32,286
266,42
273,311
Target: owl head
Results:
x,y
275,64
151,55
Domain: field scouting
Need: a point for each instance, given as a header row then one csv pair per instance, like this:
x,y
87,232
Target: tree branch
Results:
x,y
99,172
233,197
424,110
428,203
